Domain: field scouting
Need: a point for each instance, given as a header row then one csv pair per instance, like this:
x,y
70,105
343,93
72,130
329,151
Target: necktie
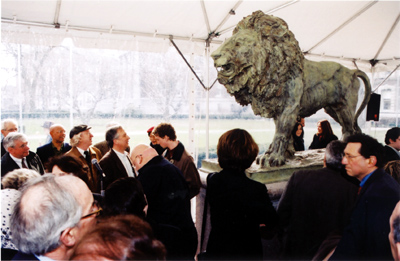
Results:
x,y
23,164
87,157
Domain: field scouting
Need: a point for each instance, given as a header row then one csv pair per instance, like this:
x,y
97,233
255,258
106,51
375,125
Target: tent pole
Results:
x,y
19,89
207,99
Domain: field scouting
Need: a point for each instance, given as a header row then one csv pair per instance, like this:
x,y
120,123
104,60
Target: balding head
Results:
x,y
142,154
57,133
49,207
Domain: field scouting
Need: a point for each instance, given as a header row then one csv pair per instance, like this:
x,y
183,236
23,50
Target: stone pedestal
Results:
x,y
275,178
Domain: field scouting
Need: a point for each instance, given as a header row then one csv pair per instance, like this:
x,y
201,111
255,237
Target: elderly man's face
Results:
x,y
20,149
89,207
86,138
9,127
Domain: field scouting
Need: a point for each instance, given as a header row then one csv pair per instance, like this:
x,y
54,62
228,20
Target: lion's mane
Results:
x,y
284,57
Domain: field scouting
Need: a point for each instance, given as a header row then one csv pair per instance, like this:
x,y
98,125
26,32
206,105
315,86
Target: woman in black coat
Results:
x,y
240,208
323,136
298,137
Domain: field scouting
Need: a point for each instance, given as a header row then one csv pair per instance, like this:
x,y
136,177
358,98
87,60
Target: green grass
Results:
x,y
262,130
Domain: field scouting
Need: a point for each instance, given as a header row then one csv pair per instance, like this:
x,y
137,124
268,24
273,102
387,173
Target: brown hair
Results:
x,y
326,128
165,129
124,237
236,149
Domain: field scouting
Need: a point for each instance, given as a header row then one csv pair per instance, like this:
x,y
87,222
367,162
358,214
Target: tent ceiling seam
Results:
x,y
203,7
57,14
107,31
344,24
228,15
387,36
387,78
267,12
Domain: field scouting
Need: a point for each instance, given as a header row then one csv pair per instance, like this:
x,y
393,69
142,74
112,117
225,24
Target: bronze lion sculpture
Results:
x,y
262,65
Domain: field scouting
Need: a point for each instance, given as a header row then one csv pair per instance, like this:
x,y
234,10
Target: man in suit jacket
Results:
x,y
19,155
51,216
7,126
314,204
392,148
366,236
116,163
169,204
81,139
56,147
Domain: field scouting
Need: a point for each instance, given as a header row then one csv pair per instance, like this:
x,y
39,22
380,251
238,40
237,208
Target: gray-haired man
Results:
x,y
18,154
52,214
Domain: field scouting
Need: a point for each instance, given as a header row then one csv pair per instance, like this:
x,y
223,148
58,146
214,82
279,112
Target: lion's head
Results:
x,y
257,61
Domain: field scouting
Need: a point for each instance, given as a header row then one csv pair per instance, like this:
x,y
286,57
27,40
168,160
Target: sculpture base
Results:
x,y
275,177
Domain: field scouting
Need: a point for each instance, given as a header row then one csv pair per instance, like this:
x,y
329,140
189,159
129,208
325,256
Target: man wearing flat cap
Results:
x,y
81,141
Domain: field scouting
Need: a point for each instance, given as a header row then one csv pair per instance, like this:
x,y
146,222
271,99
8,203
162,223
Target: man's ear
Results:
x,y
372,160
68,237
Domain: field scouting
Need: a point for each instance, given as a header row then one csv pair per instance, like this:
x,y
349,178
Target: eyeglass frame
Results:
x,y
97,212
350,157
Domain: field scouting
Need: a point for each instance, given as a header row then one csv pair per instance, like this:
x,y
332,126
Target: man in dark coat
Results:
x,y
169,203
116,163
314,204
19,155
366,236
56,147
392,148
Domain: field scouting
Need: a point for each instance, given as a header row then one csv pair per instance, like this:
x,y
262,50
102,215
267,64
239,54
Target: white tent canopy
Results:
x,y
355,33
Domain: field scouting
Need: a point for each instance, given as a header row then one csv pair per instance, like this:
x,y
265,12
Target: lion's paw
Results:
x,y
270,160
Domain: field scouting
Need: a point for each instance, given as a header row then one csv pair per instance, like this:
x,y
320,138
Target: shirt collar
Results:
x,y
365,179
43,258
18,161
81,151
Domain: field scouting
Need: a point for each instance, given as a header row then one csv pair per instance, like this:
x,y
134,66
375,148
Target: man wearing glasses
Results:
x,y
50,217
366,236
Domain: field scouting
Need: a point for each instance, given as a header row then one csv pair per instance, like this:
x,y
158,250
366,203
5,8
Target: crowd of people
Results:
x,y
78,201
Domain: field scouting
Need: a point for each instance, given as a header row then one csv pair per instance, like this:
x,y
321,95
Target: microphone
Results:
x,y
100,171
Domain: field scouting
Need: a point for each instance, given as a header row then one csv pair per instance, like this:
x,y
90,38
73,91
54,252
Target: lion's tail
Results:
x,y
367,85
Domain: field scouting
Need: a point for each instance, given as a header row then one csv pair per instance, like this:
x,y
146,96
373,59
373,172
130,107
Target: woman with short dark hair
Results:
x,y
240,208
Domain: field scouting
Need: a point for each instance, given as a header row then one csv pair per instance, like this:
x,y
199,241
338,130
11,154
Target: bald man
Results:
x,y
169,203
50,217
56,147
